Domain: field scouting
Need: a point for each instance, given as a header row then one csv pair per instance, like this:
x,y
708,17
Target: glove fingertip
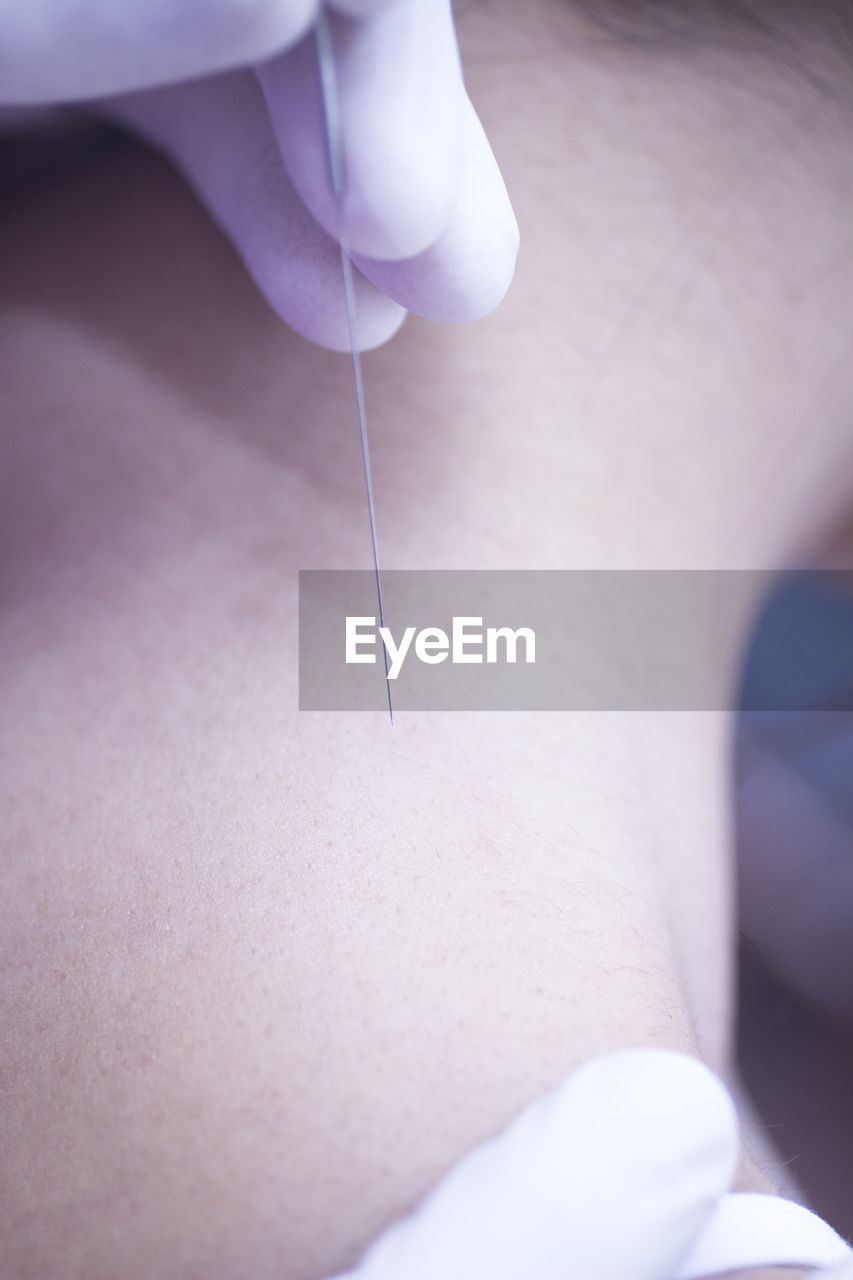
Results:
x,y
467,272
319,312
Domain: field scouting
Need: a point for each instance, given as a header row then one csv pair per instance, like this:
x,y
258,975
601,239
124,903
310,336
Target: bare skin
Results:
x,y
263,974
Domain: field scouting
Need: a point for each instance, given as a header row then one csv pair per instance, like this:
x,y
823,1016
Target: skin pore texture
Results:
x,y
265,974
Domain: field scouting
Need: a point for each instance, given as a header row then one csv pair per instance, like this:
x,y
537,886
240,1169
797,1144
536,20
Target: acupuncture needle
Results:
x,y
334,143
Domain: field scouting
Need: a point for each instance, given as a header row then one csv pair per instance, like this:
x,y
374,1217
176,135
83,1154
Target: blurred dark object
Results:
x,y
797,1065
801,654
794,823
794,790
36,147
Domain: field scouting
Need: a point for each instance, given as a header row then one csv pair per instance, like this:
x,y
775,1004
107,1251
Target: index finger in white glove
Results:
x,y
467,271
613,1175
66,50
401,113
426,214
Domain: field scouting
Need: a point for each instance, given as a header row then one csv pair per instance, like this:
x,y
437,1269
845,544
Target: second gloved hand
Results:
x,y
622,1173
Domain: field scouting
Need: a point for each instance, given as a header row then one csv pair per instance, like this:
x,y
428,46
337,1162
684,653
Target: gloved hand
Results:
x,y
620,1173
426,214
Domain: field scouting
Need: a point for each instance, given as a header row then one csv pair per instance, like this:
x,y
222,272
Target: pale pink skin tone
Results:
x,y
263,974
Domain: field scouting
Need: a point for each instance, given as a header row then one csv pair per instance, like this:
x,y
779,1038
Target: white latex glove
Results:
x,y
843,1272
621,1174
426,213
